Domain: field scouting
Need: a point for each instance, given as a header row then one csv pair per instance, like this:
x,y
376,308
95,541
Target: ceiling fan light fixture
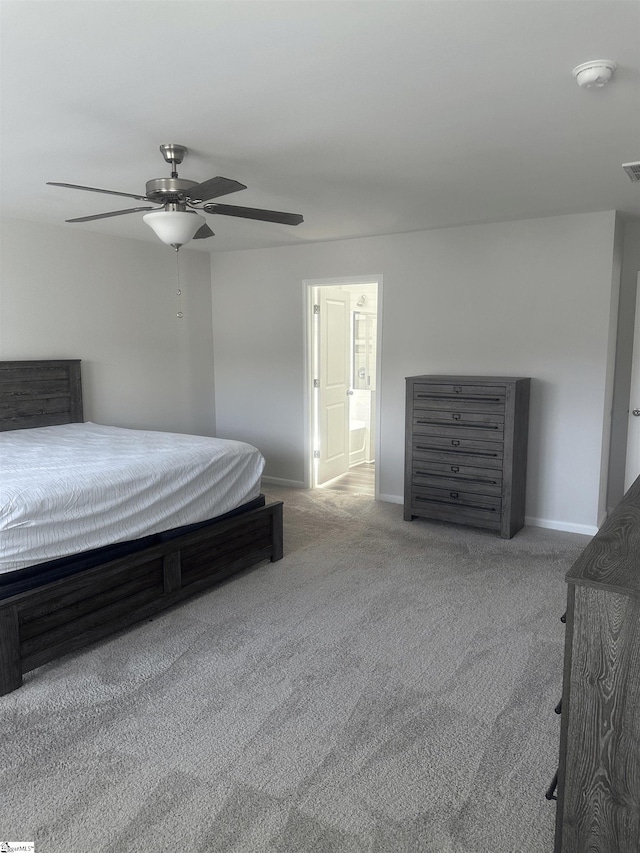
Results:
x,y
174,227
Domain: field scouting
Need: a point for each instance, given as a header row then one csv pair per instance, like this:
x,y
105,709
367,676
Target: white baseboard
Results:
x,y
278,481
566,526
392,499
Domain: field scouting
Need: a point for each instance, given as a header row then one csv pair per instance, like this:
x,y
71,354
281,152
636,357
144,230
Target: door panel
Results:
x,y
334,378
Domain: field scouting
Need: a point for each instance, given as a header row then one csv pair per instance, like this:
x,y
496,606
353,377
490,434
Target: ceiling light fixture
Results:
x,y
596,73
174,227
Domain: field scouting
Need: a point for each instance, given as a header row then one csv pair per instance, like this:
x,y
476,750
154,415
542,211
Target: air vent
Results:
x,y
633,170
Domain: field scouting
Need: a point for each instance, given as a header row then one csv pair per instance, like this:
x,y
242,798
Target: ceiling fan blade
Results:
x,y
213,188
255,213
96,190
202,232
111,213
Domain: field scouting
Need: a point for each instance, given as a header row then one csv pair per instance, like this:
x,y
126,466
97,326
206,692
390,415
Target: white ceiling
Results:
x,y
368,117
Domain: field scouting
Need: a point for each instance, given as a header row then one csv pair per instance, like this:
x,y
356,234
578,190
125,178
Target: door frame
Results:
x,y
308,286
634,383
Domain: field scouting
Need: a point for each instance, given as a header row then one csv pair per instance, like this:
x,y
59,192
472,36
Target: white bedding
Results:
x,y
67,489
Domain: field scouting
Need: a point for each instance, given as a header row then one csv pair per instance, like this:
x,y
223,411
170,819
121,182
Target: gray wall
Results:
x,y
530,298
113,303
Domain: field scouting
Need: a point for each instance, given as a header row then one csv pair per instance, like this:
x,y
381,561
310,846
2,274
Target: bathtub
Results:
x,y
357,442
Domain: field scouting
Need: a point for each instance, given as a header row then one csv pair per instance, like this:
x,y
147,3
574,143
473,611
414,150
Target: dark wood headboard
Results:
x,y
40,393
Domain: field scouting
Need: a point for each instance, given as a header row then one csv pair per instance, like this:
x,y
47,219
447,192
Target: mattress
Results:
x,y
71,488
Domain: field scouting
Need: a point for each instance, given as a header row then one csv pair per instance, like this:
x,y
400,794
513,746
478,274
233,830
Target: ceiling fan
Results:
x,y
175,220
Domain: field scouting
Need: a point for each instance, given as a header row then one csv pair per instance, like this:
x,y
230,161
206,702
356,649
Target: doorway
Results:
x,y
342,323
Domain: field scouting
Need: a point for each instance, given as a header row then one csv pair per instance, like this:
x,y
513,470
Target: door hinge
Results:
x,y
316,309
316,454
316,383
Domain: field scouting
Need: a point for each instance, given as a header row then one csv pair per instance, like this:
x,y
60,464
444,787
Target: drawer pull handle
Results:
x,y
551,790
454,494
455,442
558,708
455,468
457,389
456,417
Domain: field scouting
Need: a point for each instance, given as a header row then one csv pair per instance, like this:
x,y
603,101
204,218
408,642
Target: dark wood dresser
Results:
x,y
599,773
466,450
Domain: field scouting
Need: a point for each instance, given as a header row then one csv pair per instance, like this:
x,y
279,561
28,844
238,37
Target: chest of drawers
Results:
x,y
466,450
599,770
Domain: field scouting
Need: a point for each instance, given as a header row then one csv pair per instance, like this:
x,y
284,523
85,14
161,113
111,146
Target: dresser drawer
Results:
x,y
425,398
481,481
475,515
455,497
463,469
457,451
445,389
473,420
455,424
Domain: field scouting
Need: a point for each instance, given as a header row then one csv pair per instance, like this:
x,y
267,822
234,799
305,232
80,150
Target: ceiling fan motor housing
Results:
x,y
169,189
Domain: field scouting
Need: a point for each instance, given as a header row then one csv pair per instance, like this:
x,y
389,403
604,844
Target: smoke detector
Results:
x,y
633,170
596,73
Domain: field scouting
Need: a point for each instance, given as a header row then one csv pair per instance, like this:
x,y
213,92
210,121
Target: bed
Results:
x,y
55,600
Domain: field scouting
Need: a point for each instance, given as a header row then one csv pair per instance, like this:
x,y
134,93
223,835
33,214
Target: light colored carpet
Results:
x,y
387,687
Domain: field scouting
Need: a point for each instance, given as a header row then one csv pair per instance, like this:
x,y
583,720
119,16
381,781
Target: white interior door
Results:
x,y
333,383
632,470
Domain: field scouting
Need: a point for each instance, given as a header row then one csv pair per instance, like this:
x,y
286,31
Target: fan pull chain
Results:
x,y
179,314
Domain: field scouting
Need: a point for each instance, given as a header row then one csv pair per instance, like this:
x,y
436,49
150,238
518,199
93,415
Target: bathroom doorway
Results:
x,y
343,320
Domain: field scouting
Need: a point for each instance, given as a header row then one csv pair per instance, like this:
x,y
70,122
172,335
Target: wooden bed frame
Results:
x,y
65,615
